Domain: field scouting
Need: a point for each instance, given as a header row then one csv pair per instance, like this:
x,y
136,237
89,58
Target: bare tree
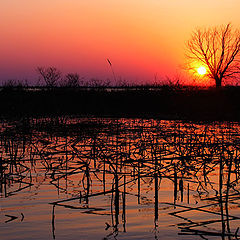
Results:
x,y
72,80
11,83
50,75
218,50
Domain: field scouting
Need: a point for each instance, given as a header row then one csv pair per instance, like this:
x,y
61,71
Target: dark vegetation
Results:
x,y
163,102
129,159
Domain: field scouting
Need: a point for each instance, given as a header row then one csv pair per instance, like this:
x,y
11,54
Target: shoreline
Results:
x,y
167,104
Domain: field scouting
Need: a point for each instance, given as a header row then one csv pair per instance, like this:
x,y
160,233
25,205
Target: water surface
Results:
x,y
64,178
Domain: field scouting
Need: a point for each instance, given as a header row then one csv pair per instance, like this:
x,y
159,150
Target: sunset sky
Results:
x,y
142,38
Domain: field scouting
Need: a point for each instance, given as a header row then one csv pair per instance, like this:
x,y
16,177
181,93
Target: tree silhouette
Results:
x,y
72,80
218,50
50,75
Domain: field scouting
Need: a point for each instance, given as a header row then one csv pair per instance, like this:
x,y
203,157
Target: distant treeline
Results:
x,y
165,102
50,77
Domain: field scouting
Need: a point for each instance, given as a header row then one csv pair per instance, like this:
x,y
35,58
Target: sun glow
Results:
x,y
201,70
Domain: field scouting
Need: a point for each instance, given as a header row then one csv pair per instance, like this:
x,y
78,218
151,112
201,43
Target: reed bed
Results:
x,y
91,158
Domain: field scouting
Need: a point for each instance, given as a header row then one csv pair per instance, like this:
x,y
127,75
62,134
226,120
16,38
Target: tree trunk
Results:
x,y
218,82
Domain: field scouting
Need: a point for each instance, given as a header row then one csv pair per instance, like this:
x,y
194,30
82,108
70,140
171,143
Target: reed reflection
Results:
x,y
99,166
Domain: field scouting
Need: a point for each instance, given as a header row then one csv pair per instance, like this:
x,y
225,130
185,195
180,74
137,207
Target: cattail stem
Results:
x,y
110,64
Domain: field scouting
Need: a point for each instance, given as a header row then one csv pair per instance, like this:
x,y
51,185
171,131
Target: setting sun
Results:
x,y
201,70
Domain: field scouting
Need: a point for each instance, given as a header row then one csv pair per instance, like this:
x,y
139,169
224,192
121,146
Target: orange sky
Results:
x,y
141,38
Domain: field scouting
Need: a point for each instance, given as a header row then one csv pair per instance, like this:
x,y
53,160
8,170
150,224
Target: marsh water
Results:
x,y
79,178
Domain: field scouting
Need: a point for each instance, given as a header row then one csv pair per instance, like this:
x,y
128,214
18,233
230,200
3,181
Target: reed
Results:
x,y
128,157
